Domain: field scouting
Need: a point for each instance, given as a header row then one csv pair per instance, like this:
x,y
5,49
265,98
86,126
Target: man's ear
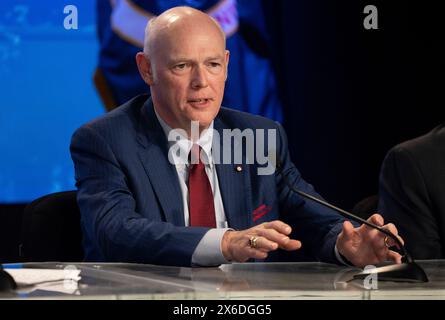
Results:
x,y
227,57
145,68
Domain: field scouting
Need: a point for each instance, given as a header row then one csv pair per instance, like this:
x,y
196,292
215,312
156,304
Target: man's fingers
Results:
x,y
258,241
278,232
392,228
273,235
365,244
284,242
257,254
394,256
279,226
263,244
348,230
390,241
376,219
291,245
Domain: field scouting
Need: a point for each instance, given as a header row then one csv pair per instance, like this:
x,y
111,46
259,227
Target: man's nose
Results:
x,y
199,78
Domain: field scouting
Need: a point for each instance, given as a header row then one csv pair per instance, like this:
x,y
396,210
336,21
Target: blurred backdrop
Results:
x,y
46,93
345,95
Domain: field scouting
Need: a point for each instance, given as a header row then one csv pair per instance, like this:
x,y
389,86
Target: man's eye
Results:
x,y
215,64
180,66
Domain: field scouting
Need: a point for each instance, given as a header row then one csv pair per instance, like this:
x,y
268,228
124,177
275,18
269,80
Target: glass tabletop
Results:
x,y
232,281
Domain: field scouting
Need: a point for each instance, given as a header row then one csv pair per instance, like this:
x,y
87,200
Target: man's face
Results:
x,y
189,70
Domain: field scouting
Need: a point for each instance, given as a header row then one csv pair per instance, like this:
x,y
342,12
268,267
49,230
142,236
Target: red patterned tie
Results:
x,y
202,208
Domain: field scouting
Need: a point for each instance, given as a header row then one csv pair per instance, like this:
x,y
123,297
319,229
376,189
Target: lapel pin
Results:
x,y
239,168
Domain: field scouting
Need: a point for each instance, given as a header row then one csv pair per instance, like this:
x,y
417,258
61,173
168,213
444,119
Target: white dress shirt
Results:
x,y
208,252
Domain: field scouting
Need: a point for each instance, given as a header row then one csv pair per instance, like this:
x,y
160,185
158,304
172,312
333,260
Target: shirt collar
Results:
x,y
205,140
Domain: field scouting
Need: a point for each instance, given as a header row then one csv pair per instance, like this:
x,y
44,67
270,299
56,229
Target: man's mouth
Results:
x,y
199,101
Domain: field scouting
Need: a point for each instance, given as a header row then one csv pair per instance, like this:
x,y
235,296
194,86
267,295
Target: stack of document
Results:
x,y
56,280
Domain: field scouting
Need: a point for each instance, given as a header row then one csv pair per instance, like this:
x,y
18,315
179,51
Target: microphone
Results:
x,y
407,271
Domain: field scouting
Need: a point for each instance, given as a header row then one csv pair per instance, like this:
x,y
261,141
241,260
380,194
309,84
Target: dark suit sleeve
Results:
x,y
109,214
404,201
316,226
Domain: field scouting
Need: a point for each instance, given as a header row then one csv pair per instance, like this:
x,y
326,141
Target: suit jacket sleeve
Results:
x,y
316,226
404,201
109,213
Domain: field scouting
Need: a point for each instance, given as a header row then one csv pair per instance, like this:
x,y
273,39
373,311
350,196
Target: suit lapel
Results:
x,y
234,186
153,153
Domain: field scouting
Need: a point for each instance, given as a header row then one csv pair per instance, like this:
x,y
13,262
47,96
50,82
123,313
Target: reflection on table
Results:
x,y
232,281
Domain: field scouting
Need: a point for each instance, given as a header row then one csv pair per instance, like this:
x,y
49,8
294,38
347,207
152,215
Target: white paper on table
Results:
x,y
56,280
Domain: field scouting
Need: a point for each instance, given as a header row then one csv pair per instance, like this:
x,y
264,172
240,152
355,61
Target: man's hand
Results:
x,y
364,245
269,237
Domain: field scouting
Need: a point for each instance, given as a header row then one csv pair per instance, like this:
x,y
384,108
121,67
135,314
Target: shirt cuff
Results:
x,y
208,252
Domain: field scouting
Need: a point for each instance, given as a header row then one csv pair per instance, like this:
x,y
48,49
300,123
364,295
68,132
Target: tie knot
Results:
x,y
195,154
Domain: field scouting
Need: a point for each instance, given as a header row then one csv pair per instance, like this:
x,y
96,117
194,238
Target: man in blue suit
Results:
x,y
138,204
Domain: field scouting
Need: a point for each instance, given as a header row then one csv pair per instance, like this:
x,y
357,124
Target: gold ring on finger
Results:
x,y
252,242
386,242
